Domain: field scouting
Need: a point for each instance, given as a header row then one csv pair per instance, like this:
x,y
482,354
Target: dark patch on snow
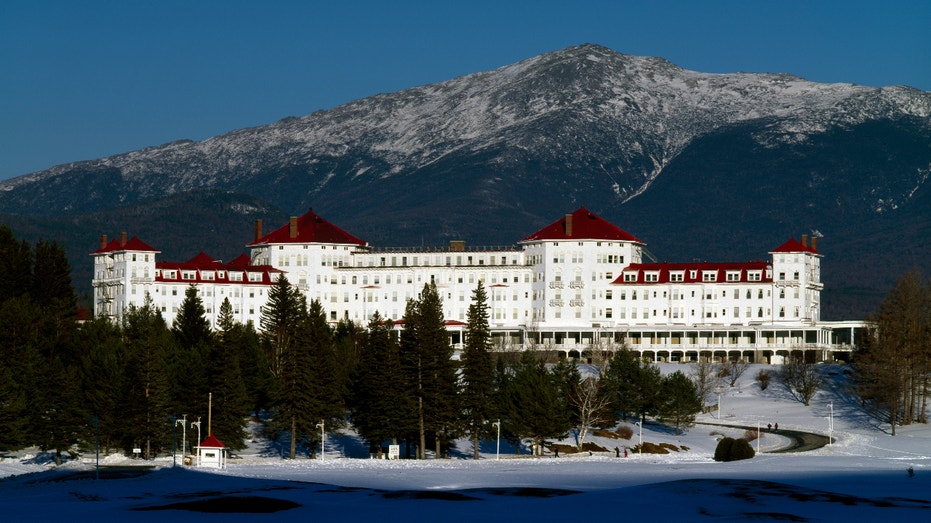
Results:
x,y
230,505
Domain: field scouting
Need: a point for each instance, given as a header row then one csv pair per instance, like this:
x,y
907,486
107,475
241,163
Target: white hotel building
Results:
x,y
574,284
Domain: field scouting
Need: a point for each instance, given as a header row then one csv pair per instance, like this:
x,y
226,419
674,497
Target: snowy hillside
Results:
x,y
863,476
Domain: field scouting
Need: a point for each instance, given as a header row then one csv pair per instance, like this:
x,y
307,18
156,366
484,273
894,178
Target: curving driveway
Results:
x,y
800,441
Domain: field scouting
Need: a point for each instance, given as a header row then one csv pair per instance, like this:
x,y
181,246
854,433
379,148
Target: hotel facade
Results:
x,y
576,287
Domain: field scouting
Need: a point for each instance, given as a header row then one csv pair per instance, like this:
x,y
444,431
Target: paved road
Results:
x,y
800,441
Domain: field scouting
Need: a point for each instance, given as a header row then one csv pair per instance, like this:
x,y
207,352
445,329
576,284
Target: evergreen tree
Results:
x,y
242,342
283,311
680,400
20,359
425,343
381,408
633,384
535,408
15,266
477,370
52,289
102,367
191,327
146,401
295,395
13,414
326,386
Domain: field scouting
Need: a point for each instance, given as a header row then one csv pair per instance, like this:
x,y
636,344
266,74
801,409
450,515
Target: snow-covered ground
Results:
x,y
864,475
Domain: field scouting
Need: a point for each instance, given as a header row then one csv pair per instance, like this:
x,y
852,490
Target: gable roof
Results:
x,y
309,228
581,225
794,245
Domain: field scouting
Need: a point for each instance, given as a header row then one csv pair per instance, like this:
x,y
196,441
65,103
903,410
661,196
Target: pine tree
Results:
x,y
191,327
633,384
243,342
283,311
680,400
425,343
294,393
477,371
15,266
326,385
146,401
381,408
534,408
103,361
13,413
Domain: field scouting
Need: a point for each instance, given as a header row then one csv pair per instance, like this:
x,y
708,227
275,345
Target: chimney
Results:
x,y
103,241
805,240
293,228
814,243
258,230
122,239
568,225
456,246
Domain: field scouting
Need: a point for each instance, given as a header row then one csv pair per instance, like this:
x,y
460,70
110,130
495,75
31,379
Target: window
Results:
x,y
630,276
609,313
709,276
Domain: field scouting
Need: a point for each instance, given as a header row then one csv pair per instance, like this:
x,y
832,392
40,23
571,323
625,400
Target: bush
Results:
x,y
730,449
741,450
723,450
763,379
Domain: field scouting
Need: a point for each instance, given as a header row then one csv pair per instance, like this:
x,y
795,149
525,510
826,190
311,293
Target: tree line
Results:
x,y
65,385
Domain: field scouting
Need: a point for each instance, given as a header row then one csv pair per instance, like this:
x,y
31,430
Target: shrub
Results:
x,y
763,379
723,450
730,449
625,432
752,434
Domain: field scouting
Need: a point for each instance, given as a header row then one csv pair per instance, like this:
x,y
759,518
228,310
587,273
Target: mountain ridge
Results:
x,y
492,155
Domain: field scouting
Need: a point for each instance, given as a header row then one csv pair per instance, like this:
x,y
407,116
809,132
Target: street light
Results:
x,y
197,424
640,441
498,444
831,424
322,435
183,423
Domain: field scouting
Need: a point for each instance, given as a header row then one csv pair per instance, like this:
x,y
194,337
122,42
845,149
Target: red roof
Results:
x,y
220,272
212,441
795,246
581,225
309,228
134,244
663,270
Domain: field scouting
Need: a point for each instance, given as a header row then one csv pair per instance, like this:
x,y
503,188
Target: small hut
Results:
x,y
211,453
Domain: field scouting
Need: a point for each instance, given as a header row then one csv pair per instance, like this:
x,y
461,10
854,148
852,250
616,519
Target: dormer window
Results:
x,y
651,276
676,276
709,276
733,276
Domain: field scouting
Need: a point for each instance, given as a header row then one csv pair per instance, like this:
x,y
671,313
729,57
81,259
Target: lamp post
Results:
x,y
183,423
498,443
197,424
640,439
831,424
322,443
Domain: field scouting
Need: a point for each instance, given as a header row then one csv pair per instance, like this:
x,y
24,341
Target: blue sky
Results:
x,y
82,80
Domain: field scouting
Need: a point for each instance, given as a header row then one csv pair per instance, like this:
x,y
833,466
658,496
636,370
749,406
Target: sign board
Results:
x,y
394,452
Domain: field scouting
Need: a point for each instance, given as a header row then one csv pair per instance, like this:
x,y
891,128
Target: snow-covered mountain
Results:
x,y
493,155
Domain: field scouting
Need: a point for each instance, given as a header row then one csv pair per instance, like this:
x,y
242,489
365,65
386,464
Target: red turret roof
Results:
x,y
309,228
212,441
795,246
134,244
581,225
